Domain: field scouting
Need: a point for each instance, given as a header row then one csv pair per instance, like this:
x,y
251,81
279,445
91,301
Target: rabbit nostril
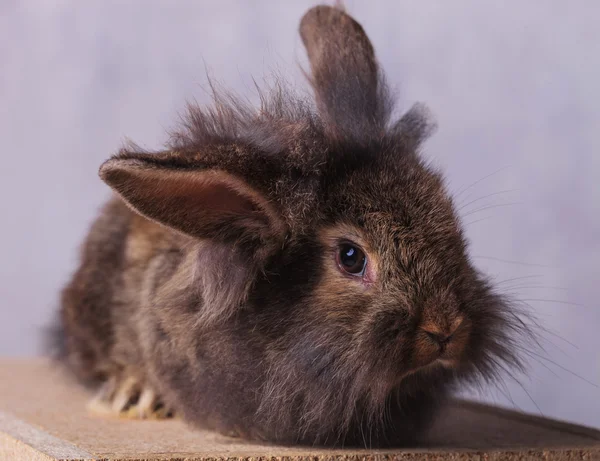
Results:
x,y
440,339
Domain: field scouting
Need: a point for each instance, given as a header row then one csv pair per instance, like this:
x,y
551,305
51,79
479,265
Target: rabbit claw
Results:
x,y
148,406
129,399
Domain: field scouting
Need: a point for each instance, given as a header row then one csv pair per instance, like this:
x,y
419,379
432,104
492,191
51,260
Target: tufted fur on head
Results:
x,y
221,289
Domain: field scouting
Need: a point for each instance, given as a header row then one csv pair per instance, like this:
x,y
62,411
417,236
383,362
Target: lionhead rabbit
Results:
x,y
294,274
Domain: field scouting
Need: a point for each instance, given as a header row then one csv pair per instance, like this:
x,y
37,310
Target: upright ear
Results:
x,y
349,90
202,203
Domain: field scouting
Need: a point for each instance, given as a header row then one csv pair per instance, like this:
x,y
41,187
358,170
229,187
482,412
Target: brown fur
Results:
x,y
212,278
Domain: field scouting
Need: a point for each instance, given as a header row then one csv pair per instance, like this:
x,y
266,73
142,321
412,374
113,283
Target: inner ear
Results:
x,y
200,203
223,197
202,193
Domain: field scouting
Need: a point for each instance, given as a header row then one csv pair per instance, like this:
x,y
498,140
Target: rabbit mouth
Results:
x,y
433,366
434,355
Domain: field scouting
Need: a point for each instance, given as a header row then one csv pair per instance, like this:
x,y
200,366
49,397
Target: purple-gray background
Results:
x,y
514,86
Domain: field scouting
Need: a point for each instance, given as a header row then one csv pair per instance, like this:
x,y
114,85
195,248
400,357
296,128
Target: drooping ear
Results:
x,y
202,203
349,89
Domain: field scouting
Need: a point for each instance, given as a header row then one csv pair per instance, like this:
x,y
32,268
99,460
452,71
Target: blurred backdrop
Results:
x,y
514,86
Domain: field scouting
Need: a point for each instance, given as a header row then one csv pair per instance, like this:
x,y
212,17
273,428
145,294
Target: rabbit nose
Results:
x,y
440,339
442,336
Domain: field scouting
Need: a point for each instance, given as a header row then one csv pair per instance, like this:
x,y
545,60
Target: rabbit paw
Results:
x,y
128,398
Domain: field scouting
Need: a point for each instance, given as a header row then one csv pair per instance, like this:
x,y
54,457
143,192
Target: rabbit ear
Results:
x,y
349,90
202,203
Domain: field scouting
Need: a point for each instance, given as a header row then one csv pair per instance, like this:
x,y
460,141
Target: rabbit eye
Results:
x,y
351,259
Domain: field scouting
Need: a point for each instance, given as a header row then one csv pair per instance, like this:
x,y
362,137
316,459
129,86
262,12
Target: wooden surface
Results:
x,y
43,416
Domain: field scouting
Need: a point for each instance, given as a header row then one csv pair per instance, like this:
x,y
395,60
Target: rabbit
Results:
x,y
295,274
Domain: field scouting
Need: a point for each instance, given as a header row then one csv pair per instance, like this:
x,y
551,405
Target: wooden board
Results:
x,y
43,416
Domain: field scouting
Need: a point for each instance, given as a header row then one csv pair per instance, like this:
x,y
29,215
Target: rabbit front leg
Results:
x,y
129,398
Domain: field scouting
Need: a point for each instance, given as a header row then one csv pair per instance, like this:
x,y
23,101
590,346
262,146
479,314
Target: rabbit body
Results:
x,y
293,274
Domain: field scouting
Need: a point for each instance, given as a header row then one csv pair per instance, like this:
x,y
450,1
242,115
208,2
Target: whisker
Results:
x,y
507,395
458,194
518,278
530,398
556,335
535,287
508,261
546,315
489,207
478,220
520,384
538,361
556,364
555,301
501,384
461,205
538,337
